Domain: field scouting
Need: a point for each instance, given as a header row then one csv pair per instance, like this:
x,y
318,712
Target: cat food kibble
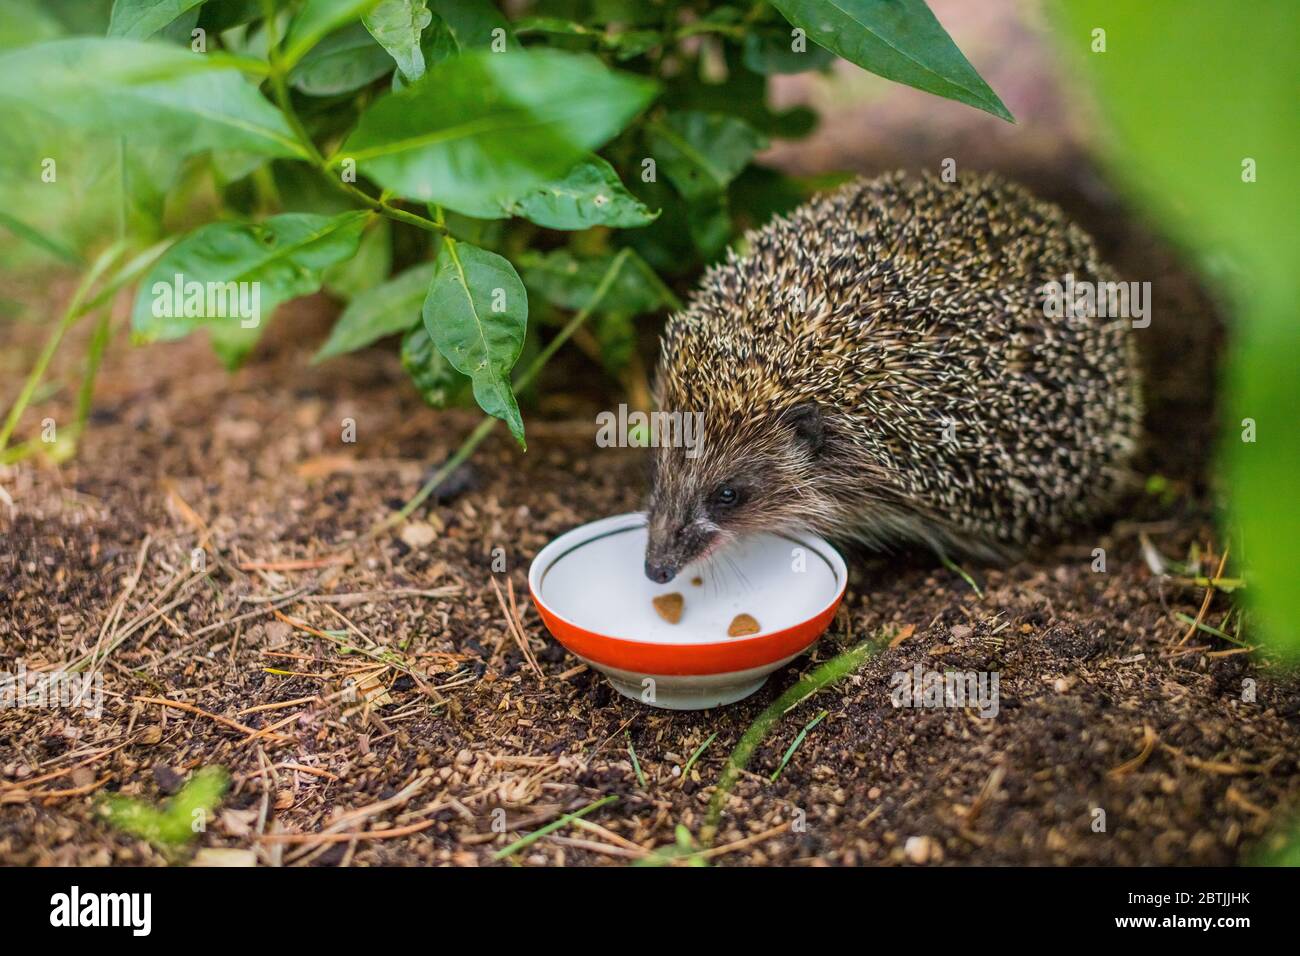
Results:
x,y
743,624
669,607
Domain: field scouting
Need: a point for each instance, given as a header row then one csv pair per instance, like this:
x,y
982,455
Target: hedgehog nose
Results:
x,y
659,572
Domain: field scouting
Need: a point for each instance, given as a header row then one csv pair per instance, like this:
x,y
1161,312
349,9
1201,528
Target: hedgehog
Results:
x,y
881,366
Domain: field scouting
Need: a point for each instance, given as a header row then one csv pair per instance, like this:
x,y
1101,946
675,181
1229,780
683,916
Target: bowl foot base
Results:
x,y
698,694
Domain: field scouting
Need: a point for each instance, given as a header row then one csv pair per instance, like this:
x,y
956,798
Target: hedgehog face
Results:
x,y
756,480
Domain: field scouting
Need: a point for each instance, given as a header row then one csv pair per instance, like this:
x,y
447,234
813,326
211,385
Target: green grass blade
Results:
x,y
636,764
797,741
686,770
821,676
536,835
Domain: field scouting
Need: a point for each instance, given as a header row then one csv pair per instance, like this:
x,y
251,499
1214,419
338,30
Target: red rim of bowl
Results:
x,y
648,657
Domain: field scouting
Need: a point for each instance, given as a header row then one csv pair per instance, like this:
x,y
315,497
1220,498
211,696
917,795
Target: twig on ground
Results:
x,y
1128,766
191,709
516,631
536,835
1205,603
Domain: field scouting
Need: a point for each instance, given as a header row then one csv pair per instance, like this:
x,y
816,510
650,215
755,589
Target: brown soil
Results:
x,y
1103,704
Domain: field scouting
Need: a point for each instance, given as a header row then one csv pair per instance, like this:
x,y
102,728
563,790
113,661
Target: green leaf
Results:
x,y
624,45
476,312
342,62
368,268
742,94
555,26
633,43
27,21
220,16
709,223
301,188
484,233
316,19
473,23
38,238
615,333
665,244
701,153
900,40
481,129
768,53
384,310
147,92
195,802
269,263
140,19
398,26
590,194
568,282
437,382
436,45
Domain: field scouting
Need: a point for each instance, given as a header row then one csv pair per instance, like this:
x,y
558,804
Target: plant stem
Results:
x,y
822,676
69,318
280,90
467,448
76,311
485,427
94,357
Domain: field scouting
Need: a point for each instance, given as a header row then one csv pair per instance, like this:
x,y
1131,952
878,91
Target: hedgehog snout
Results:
x,y
660,572
662,562
670,548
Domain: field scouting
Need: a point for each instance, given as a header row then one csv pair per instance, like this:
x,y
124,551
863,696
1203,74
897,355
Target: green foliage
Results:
x,y
555,140
432,375
1197,73
179,819
568,282
474,24
684,850
369,268
589,194
900,40
476,313
150,93
140,19
386,309
701,153
823,675
771,52
285,256
343,62
502,125
398,26
315,19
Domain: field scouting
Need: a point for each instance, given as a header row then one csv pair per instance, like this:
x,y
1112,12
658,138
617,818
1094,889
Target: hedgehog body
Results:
x,y
880,365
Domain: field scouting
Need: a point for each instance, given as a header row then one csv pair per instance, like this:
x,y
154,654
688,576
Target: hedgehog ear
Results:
x,y
806,419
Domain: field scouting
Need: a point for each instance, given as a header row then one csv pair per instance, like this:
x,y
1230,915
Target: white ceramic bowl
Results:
x,y
592,593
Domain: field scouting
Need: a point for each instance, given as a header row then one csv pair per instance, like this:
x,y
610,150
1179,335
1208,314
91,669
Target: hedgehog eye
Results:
x,y
726,497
